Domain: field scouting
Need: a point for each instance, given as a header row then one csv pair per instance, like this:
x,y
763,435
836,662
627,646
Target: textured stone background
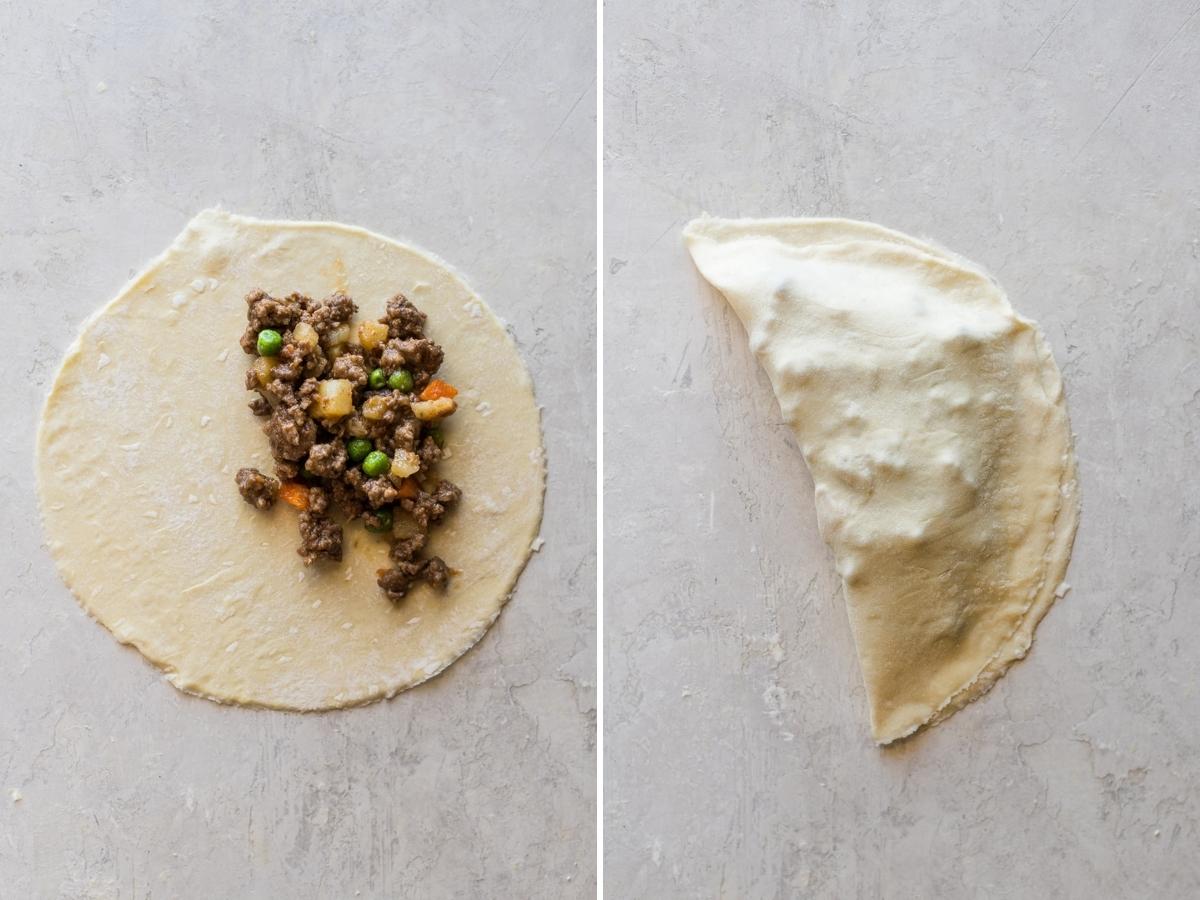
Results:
x,y
467,128
1057,144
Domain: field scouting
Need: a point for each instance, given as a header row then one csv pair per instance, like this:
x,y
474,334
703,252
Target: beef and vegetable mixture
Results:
x,y
351,414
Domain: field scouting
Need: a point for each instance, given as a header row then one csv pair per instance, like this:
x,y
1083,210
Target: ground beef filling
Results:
x,y
259,490
352,416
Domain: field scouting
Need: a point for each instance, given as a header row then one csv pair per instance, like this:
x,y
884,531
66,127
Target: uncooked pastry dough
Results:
x,y
146,425
932,418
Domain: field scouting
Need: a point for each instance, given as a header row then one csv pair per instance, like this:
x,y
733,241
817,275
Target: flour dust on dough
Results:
x,y
147,423
932,418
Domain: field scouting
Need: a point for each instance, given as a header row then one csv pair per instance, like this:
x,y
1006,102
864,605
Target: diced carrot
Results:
x,y
437,389
293,493
408,488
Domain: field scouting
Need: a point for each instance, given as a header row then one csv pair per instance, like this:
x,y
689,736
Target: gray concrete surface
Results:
x,y
1058,145
466,127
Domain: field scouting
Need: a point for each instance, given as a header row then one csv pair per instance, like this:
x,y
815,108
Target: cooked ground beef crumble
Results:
x,y
259,490
351,416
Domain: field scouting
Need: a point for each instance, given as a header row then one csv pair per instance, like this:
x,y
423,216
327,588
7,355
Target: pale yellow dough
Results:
x,y
147,423
931,416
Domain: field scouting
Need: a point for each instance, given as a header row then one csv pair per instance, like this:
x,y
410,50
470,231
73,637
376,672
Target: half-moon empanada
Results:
x,y
932,418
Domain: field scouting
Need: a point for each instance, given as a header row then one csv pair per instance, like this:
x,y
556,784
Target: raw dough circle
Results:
x,y
146,425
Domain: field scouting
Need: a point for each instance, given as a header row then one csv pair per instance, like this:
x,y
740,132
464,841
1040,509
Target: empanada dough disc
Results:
x,y
147,423
932,418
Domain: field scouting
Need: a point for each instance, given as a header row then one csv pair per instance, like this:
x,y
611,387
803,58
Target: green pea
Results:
x,y
401,380
438,437
376,463
358,448
377,379
385,521
270,342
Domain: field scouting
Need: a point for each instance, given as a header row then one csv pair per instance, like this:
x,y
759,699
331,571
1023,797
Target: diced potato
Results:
x,y
356,426
338,336
372,334
376,407
262,367
335,398
305,334
405,463
429,410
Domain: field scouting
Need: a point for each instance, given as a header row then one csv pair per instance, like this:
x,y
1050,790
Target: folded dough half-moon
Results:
x,y
932,418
